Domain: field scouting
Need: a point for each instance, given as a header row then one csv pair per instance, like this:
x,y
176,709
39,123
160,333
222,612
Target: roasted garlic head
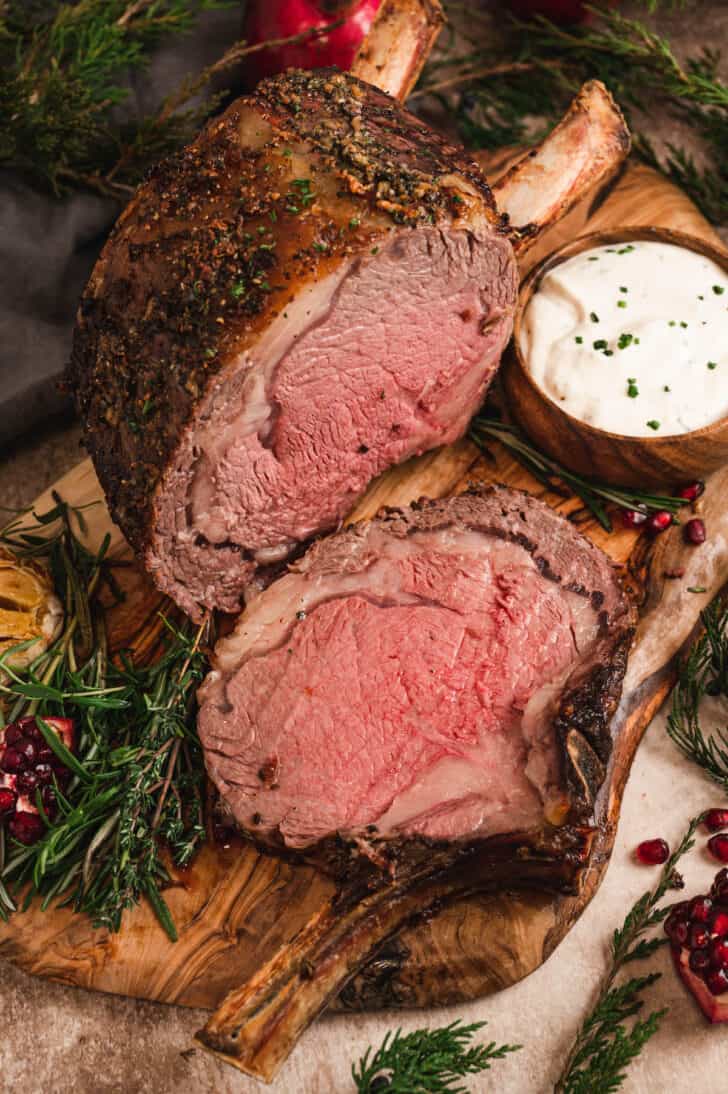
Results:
x,y
29,609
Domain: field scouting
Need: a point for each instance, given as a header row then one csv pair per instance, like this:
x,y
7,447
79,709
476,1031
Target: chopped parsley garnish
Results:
x,y
653,424
305,194
579,340
320,246
354,222
718,290
594,317
148,407
632,389
273,215
238,289
697,589
624,340
601,343
375,250
712,365
621,303
287,152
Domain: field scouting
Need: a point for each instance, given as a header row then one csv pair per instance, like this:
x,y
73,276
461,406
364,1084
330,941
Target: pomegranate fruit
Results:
x,y
698,933
27,764
659,522
269,20
653,852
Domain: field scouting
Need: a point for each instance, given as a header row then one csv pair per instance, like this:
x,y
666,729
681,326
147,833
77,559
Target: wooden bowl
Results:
x,y
613,457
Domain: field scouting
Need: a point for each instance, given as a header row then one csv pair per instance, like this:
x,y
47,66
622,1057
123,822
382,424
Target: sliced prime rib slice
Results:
x,y
421,706
317,288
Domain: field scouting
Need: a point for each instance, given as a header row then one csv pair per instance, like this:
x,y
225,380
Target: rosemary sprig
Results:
x,y
425,1061
704,672
604,1046
555,477
134,803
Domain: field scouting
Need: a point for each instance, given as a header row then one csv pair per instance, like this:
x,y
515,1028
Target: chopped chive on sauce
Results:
x,y
712,365
672,323
623,288
593,258
601,343
683,324
621,303
625,250
594,317
653,424
609,353
701,298
579,340
632,389
624,340
718,290
667,388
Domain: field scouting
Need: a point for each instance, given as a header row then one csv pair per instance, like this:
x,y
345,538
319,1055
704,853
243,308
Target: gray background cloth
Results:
x,y
48,246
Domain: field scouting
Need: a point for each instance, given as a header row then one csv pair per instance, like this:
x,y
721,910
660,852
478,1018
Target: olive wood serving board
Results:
x,y
234,906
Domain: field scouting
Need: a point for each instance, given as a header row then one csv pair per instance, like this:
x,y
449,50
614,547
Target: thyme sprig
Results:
x,y
426,1061
134,803
593,493
704,672
605,1045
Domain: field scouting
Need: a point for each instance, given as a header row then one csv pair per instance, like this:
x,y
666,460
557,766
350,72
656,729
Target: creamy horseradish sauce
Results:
x,y
632,338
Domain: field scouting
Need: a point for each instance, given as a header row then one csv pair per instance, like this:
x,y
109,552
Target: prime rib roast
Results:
x,y
420,706
319,287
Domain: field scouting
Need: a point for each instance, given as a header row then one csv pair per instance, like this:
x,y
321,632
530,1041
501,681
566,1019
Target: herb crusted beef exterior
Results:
x,y
445,673
317,288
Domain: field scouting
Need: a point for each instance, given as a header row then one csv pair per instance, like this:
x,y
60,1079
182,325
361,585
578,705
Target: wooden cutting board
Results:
x,y
234,906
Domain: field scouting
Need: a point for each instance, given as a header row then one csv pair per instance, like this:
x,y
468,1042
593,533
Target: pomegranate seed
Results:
x,y
8,798
717,981
699,961
45,754
12,734
50,804
633,518
27,782
678,917
694,531
44,773
699,936
13,761
717,845
653,852
26,828
720,884
719,922
679,933
29,749
715,820
700,908
692,491
658,522
719,953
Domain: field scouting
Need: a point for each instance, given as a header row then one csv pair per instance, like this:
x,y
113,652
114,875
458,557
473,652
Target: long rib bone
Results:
x,y
398,44
584,151
257,1025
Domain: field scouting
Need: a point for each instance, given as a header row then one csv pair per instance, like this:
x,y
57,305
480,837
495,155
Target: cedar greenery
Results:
x,y
426,1061
704,672
594,494
510,90
605,1044
135,800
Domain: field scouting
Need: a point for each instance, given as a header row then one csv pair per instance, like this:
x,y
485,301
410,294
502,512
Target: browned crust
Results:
x,y
219,239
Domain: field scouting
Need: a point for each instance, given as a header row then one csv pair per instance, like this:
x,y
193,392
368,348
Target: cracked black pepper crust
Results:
x,y
309,170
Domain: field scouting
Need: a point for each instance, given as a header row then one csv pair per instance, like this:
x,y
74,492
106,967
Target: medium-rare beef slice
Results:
x,y
317,288
445,673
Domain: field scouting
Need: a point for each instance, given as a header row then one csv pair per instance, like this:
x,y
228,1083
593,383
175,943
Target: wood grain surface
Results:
x,y
234,906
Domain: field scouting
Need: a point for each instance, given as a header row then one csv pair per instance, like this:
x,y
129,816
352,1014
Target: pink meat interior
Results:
x,y
389,357
416,695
